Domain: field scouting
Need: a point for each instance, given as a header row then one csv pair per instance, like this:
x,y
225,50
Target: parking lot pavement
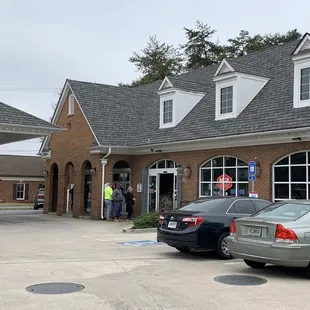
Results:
x,y
125,271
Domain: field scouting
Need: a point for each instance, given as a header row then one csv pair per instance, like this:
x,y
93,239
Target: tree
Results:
x,y
155,62
244,44
199,50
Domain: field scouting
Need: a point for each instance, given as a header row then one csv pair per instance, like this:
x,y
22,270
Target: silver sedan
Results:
x,y
279,235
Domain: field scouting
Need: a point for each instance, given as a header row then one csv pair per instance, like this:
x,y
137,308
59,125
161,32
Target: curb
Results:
x,y
137,231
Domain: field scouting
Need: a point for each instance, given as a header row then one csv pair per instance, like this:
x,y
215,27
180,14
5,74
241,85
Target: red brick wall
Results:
x,y
266,155
72,146
6,191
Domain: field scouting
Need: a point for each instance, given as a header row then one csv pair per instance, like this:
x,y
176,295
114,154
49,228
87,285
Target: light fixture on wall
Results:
x,y
93,171
45,173
187,171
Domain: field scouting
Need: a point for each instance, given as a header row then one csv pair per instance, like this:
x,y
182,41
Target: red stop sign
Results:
x,y
224,182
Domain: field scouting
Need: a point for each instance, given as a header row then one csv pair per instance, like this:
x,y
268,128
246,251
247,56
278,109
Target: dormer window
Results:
x,y
234,90
71,105
226,100
168,111
301,59
176,100
305,84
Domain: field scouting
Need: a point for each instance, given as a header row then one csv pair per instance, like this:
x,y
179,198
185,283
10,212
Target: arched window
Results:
x,y
291,177
222,176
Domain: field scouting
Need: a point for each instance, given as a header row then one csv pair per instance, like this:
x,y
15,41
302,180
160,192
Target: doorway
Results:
x,y
166,191
54,176
162,177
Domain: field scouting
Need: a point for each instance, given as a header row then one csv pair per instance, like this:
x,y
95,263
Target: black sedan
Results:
x,y
204,224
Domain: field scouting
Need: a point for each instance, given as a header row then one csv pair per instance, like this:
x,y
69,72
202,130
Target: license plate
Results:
x,y
172,224
255,232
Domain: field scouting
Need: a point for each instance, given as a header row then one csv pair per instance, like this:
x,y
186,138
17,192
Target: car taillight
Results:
x,y
285,235
161,219
192,221
232,229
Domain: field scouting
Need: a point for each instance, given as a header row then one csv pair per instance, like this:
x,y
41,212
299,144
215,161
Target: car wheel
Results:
x,y
183,249
256,265
222,249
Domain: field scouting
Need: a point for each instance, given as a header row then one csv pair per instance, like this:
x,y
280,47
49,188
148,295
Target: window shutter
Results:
x,y
26,191
14,191
145,190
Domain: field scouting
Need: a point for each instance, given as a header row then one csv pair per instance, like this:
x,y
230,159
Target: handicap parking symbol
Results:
x,y
139,242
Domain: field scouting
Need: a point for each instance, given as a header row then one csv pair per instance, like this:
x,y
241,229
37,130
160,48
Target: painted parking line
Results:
x,y
139,243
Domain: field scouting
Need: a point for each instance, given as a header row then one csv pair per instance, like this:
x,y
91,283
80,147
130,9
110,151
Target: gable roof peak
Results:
x,y
165,84
303,45
224,67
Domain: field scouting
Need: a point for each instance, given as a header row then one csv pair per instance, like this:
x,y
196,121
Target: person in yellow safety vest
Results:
x,y
108,192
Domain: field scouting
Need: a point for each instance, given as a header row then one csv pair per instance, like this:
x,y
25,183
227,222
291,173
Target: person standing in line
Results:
x,y
130,202
108,198
118,199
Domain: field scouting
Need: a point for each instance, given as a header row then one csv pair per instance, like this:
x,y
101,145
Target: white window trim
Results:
x,y
298,66
289,182
71,105
171,124
24,191
219,86
201,168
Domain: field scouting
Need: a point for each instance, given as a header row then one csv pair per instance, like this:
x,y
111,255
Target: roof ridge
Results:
x,y
111,86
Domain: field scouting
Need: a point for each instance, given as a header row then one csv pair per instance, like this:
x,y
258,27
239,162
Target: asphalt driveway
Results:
x,y
125,271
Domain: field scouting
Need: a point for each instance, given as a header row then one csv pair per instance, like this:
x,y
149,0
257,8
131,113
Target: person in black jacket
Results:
x,y
130,202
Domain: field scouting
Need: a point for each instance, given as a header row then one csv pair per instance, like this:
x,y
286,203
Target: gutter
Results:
x,y
104,161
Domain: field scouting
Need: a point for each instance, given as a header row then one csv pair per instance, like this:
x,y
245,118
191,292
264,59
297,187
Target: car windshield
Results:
x,y
291,211
203,205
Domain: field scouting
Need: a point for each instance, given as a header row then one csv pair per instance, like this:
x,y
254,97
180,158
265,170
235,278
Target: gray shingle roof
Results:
x,y
13,116
130,116
23,166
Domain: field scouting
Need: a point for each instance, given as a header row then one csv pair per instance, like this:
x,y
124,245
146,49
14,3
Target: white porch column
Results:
x,y
103,163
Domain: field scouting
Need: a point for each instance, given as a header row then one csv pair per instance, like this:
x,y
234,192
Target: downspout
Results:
x,y
104,161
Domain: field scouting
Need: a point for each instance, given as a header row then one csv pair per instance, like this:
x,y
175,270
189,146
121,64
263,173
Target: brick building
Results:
x,y
20,177
179,139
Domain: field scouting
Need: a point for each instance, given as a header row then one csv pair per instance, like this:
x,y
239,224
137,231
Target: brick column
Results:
x,y
96,195
60,199
47,195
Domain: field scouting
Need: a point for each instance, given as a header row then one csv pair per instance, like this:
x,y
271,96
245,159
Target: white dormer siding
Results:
x,y
175,104
301,59
234,91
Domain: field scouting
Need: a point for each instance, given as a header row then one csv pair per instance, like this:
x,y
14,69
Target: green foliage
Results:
x,y
158,60
244,44
199,50
149,220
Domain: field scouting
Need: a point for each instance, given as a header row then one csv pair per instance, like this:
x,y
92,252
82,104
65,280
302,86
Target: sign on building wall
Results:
x,y
139,188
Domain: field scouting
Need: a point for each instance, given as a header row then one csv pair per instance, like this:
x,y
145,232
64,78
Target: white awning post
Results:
x,y
104,161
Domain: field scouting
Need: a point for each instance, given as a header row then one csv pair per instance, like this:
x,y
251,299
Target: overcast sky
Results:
x,y
44,42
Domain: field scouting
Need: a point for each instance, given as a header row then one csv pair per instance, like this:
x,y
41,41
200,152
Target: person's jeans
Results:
x,y
118,208
109,205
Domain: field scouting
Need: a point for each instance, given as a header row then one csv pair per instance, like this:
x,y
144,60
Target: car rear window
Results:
x,y
291,211
203,205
